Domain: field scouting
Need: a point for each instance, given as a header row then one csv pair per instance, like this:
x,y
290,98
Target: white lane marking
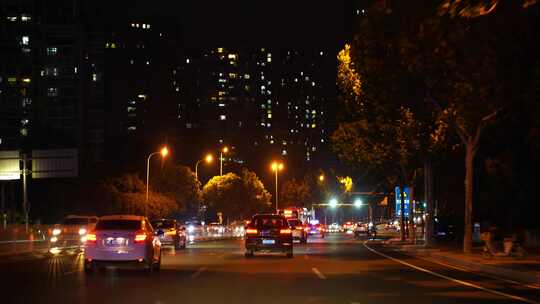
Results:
x,y
318,273
198,272
452,279
471,271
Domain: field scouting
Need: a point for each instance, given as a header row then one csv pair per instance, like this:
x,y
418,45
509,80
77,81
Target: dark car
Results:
x,y
268,233
170,233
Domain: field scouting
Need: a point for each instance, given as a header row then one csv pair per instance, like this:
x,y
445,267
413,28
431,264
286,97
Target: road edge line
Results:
x,y
465,283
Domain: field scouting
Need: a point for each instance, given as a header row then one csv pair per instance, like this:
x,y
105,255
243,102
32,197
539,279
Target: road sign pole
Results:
x,y
25,193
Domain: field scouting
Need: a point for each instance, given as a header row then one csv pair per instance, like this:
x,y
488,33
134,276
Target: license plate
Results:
x,y
267,242
115,241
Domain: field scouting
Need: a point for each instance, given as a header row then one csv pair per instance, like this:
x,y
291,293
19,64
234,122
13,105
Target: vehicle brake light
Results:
x,y
251,231
91,238
139,238
306,229
285,231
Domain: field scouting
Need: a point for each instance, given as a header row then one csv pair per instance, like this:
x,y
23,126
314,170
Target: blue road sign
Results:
x,y
407,194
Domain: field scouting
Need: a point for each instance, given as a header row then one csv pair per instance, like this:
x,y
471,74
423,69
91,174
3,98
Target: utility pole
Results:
x,y
25,192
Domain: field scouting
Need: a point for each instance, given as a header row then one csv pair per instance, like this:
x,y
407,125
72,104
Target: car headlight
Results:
x,y
82,231
190,229
56,231
54,239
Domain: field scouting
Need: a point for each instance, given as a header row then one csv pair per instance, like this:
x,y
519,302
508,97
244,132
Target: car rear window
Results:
x,y
167,224
75,221
294,222
118,225
269,222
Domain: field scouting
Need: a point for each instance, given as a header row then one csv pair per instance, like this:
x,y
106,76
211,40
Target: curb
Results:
x,y
520,276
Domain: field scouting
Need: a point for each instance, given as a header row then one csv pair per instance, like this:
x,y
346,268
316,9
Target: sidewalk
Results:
x,y
523,271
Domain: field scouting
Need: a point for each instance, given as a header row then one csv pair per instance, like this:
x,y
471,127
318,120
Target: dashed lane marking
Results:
x,y
318,273
198,272
499,293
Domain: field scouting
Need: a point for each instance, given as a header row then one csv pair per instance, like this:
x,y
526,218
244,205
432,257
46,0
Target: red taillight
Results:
x,y
251,231
140,237
306,229
91,238
285,231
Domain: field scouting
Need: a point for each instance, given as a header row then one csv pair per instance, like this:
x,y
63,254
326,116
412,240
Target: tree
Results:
x,y
179,183
236,197
127,194
295,193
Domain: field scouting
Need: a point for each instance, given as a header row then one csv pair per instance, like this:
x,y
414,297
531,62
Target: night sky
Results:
x,y
278,24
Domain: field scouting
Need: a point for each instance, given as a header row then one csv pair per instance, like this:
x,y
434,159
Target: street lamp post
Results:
x,y
224,150
164,151
209,158
277,167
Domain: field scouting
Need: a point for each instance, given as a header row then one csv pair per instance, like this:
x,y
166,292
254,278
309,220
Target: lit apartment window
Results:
x,y
52,51
52,92
187,60
222,117
12,18
94,77
25,40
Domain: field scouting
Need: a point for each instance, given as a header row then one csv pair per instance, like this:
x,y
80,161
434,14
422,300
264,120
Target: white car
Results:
x,y
122,240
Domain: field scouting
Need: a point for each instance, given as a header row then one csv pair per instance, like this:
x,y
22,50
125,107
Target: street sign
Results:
x,y
55,163
9,165
407,194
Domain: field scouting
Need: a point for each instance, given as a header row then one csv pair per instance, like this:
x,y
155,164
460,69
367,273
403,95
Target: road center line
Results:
x,y
318,273
451,279
198,272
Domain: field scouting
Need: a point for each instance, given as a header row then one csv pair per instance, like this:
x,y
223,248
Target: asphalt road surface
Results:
x,y
336,269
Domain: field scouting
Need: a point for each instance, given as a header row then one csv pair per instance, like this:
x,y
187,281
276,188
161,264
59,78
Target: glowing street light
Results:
x,y
358,203
223,151
321,178
333,203
276,166
208,159
164,152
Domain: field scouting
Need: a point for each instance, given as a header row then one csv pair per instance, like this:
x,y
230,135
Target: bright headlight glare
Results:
x,y
190,228
82,231
56,231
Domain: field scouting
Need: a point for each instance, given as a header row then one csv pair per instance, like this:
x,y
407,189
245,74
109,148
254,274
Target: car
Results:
x,y
268,233
316,229
72,230
299,230
215,229
334,227
170,233
122,240
348,227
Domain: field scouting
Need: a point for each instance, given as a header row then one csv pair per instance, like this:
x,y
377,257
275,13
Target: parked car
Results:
x,y
122,240
170,233
72,230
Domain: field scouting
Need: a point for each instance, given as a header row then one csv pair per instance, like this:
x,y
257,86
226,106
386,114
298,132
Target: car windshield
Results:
x,y
276,222
164,224
118,225
75,221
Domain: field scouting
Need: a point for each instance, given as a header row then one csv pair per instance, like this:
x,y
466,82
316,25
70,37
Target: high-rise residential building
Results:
x,y
51,78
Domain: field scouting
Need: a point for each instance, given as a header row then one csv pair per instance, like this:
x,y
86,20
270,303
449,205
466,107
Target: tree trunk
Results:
x,y
428,193
469,174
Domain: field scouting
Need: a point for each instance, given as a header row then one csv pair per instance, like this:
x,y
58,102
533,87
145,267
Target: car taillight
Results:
x,y
140,237
306,229
91,238
285,231
251,231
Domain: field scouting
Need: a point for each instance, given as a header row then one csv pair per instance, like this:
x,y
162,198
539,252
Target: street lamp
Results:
x,y
209,158
358,203
276,166
321,178
224,150
333,203
164,152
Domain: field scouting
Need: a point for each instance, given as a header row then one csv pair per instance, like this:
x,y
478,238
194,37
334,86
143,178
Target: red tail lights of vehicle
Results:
x,y
306,229
91,238
320,229
285,231
140,237
251,231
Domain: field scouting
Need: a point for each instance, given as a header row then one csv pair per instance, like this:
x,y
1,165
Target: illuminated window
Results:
x,y
232,75
132,128
24,131
246,76
222,117
321,53
52,51
52,92
75,70
232,56
12,18
221,104
26,80
269,59
94,77
187,60
131,109
142,96
284,152
220,50
25,40
269,115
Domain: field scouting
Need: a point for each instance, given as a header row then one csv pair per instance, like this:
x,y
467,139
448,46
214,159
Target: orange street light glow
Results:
x,y
277,166
209,158
164,151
